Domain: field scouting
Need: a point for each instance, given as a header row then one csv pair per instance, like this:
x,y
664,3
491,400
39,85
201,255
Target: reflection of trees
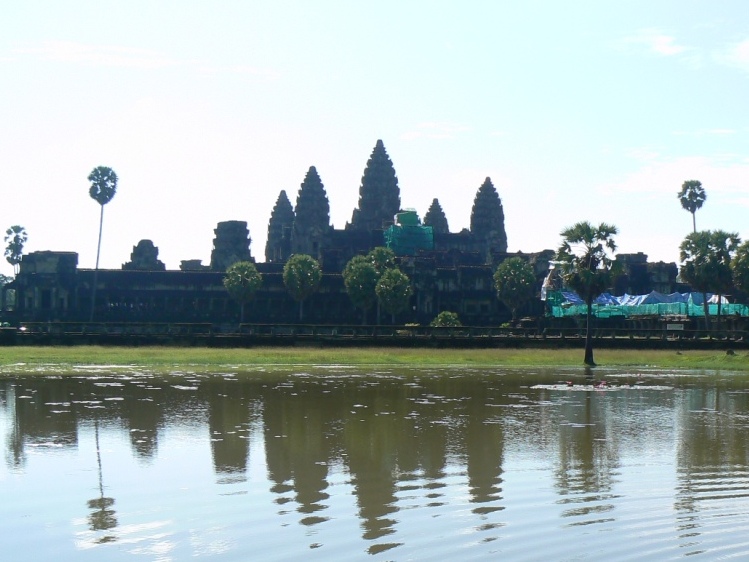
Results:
x,y
47,410
588,457
15,455
228,420
298,439
372,443
42,414
143,413
44,411
711,453
484,447
101,518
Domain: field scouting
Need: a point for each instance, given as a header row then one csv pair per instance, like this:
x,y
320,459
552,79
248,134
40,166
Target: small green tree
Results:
x,y
102,190
360,279
740,268
446,319
382,258
301,276
242,281
515,282
587,267
394,291
691,197
16,238
706,263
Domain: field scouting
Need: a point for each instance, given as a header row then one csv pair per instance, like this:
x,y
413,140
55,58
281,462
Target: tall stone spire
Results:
x,y
312,221
436,218
379,195
278,245
488,219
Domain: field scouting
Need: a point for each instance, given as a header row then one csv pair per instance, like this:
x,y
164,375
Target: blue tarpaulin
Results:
x,y
654,303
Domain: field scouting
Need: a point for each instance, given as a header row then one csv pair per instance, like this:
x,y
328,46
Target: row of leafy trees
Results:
x,y
373,278
301,276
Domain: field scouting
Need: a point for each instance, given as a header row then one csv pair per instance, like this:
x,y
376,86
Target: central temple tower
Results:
x,y
379,194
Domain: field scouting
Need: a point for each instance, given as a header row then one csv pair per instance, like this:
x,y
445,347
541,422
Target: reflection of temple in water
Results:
x,y
397,441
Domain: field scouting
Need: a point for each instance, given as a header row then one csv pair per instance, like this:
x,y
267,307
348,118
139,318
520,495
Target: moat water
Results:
x,y
374,464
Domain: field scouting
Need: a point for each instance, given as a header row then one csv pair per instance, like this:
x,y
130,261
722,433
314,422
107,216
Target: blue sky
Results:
x,y
591,111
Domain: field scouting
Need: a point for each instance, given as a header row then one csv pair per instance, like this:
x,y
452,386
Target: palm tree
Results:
x,y
706,263
16,237
691,197
587,267
103,187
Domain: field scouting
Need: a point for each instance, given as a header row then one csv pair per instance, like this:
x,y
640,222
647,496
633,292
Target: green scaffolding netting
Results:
x,y
660,309
408,240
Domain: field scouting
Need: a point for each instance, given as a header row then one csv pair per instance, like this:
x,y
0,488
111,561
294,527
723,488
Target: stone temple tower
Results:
x,y
231,244
436,218
379,194
312,221
278,246
488,219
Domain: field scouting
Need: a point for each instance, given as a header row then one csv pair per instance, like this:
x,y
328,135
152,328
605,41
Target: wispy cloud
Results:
x,y
435,130
736,55
656,42
71,52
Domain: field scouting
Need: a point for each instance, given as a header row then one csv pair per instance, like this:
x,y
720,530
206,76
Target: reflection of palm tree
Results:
x,y
15,455
101,518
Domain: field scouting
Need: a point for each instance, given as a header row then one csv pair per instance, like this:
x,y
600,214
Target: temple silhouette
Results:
x,y
448,270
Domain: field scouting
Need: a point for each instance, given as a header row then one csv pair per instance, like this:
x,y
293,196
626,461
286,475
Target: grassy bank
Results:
x,y
22,359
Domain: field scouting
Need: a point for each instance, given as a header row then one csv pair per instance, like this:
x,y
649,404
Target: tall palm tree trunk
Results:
x,y
706,308
96,269
708,327
588,360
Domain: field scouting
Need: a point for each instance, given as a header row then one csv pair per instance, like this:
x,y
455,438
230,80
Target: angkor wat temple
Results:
x,y
448,270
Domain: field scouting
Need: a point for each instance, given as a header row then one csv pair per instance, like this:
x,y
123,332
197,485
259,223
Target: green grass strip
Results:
x,y
164,359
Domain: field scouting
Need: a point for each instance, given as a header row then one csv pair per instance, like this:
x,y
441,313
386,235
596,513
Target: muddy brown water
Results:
x,y
373,464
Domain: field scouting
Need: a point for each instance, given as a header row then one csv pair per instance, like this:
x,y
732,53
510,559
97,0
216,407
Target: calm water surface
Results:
x,y
374,464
